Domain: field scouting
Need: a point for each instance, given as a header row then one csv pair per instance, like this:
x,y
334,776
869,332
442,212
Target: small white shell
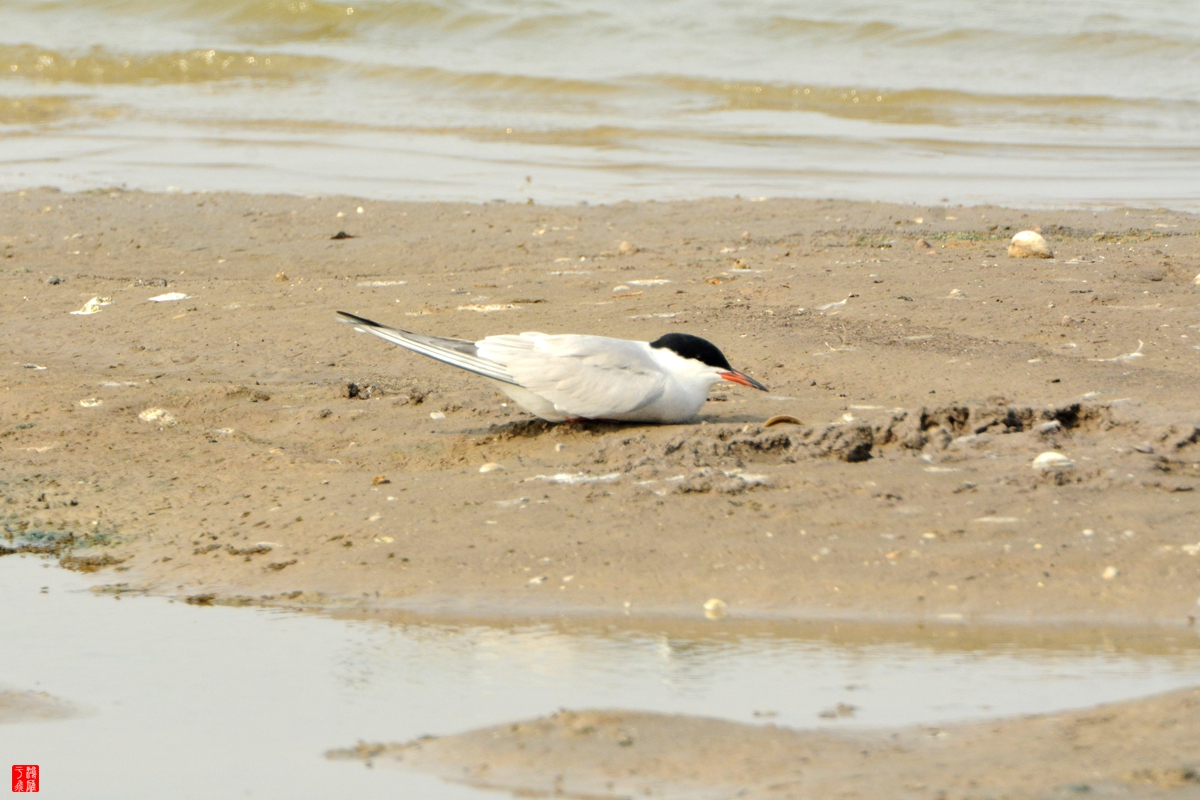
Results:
x,y
1051,460
1110,573
715,608
1029,244
157,415
490,467
1048,428
93,306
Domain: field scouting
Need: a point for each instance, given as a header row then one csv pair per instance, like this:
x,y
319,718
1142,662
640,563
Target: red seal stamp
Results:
x,y
26,777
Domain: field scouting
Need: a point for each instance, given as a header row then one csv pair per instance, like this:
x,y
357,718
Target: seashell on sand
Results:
x,y
1051,460
1029,244
782,419
715,608
1048,428
157,415
93,306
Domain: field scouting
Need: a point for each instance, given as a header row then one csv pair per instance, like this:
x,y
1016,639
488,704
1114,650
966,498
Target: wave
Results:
x,y
919,106
36,110
99,65
829,30
1118,38
488,82
277,21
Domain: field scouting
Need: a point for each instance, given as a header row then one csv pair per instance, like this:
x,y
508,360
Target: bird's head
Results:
x,y
704,357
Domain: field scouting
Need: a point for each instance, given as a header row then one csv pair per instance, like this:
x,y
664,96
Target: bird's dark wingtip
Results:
x,y
354,319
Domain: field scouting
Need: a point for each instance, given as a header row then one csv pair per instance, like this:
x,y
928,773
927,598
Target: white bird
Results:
x,y
571,377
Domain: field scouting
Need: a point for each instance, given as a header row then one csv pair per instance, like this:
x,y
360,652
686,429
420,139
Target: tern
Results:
x,y
571,377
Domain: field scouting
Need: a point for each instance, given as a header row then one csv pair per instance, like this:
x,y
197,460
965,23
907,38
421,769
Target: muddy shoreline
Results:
x,y
240,445
629,753
205,429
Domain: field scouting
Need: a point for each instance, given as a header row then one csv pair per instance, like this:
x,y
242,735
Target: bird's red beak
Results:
x,y
743,379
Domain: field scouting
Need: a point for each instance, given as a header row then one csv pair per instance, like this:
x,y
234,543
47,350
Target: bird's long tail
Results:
x,y
455,352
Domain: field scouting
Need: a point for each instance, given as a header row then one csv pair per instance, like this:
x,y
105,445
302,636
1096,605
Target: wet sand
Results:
x,y
30,706
241,446
1143,749
908,489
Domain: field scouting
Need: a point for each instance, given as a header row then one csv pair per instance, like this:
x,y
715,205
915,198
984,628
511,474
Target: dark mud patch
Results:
x,y
89,563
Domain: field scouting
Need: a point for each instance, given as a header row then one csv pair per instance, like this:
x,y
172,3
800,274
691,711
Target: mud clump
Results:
x,y
89,563
850,443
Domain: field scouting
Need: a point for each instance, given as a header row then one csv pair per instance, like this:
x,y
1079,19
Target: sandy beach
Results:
x,y
209,431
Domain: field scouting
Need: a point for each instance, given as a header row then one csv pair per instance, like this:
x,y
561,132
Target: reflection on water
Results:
x,y
1081,101
172,690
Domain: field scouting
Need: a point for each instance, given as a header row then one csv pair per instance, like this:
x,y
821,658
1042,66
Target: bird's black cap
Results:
x,y
685,345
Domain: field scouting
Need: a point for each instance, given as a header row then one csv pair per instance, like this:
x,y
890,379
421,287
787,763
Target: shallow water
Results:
x,y
1060,102
183,701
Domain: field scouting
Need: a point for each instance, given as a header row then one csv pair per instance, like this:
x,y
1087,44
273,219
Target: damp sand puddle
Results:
x,y
181,701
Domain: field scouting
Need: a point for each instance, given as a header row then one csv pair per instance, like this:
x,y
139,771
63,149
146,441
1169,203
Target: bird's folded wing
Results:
x,y
583,376
456,352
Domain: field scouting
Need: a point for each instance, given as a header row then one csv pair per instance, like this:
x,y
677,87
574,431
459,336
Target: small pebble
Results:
x,y
490,467
626,249
1048,428
437,415
714,608
1110,573
1051,460
1029,244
